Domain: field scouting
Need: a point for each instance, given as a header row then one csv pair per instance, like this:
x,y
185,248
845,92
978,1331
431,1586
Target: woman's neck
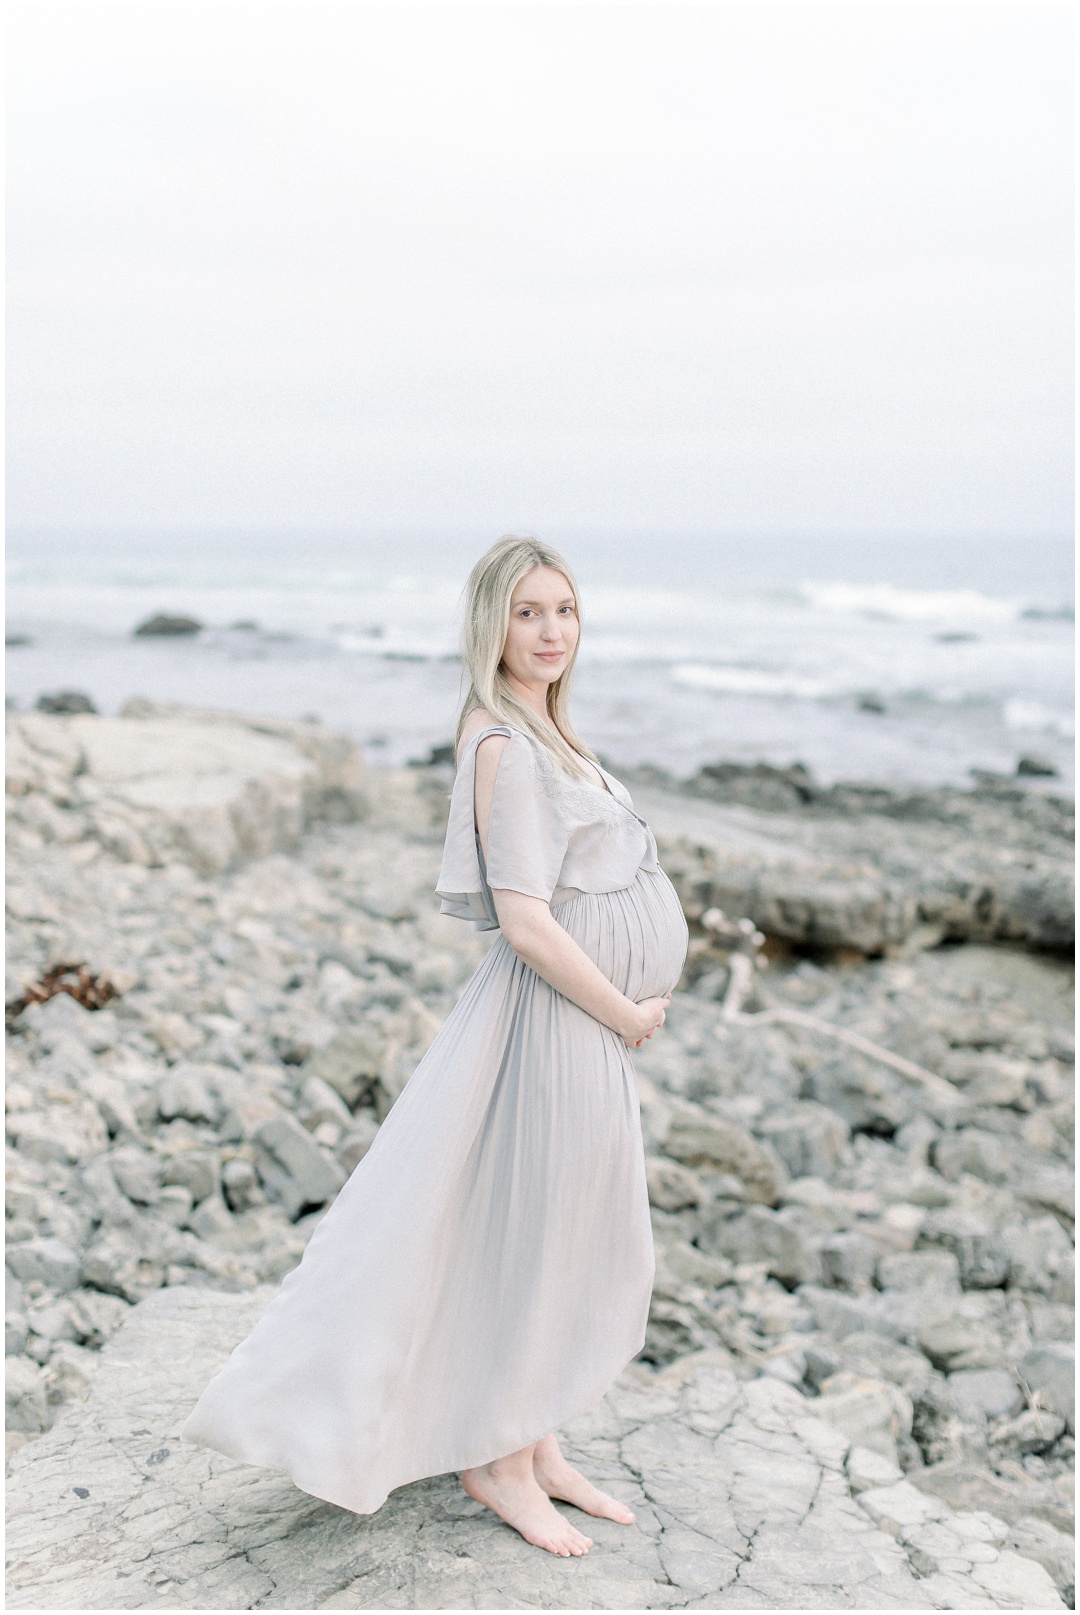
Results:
x,y
532,696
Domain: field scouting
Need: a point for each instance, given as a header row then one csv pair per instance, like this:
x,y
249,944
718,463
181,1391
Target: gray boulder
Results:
x,y
919,1270
809,1138
698,1139
1037,1252
848,1261
350,1062
990,1393
980,1250
50,1261
296,1171
874,1356
768,1237
25,1395
1050,1371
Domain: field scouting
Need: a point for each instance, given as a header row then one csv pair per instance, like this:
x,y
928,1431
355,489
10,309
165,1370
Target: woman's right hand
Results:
x,y
645,1019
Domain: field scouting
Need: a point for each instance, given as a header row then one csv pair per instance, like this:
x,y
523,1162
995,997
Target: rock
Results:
x,y
972,1150
958,1342
174,1204
240,1185
1054,1550
354,1145
870,869
319,1104
966,1485
16,1333
937,1424
979,1249
740,1491
672,1187
26,1396
243,1116
119,1265
868,1470
65,701
871,1412
49,1261
1050,1371
52,1321
1016,1583
698,1139
757,785
680,1263
207,789
174,1034
900,1507
212,1219
1037,1252
865,1097
875,1356
760,1235
163,625
1033,765
69,1373
65,1133
294,1169
1034,1430
848,1261
112,1102
920,1270
989,1393
137,1175
183,1093
350,1062
195,1170
809,1138
96,1317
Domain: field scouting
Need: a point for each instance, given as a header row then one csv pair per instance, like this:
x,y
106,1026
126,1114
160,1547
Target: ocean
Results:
x,y
901,662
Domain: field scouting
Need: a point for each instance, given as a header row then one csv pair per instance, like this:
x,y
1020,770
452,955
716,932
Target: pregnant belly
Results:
x,y
636,936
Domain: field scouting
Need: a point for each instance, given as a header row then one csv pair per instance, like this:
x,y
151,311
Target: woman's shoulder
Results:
x,y
479,720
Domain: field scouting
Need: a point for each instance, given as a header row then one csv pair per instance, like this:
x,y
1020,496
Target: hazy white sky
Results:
x,y
736,268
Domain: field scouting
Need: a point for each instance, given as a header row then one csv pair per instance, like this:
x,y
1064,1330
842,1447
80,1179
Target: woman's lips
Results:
x,y
550,655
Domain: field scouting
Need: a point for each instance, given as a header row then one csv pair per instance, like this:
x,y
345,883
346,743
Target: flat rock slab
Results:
x,y
742,1498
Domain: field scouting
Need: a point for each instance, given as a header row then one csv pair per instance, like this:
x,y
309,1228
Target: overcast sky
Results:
x,y
733,268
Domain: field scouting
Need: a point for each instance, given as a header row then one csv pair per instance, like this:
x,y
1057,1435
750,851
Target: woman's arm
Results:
x,y
537,937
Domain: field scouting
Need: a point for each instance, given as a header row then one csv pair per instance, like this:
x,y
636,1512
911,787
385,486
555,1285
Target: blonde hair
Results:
x,y
488,592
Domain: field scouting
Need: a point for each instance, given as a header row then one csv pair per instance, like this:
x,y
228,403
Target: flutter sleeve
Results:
x,y
527,833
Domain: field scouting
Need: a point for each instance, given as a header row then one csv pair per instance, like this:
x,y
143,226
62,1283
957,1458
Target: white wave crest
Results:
x,y
1033,716
746,681
909,605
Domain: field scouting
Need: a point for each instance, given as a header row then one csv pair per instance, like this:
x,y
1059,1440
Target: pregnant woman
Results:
x,y
485,1273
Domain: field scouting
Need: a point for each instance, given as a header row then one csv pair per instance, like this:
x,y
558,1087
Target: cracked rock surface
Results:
x,y
745,1500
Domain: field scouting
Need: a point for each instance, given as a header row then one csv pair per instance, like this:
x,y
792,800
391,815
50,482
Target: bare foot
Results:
x,y
517,1499
558,1479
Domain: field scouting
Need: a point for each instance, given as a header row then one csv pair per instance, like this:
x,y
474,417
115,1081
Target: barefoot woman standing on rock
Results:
x,y
485,1273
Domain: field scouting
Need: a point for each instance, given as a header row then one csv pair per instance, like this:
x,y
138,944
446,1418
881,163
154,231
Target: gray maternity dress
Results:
x,y
485,1273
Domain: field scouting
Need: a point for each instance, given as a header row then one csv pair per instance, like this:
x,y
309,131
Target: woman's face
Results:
x,y
543,628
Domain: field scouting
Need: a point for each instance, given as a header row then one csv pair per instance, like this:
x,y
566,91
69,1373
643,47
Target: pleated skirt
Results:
x,y
485,1273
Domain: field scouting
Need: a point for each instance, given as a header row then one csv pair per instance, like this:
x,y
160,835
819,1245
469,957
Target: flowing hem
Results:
x,y
473,1461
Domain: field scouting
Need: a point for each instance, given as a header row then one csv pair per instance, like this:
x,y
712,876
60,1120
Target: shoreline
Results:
x,y
263,903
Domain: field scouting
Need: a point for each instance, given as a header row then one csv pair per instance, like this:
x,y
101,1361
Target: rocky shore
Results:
x,y
859,1160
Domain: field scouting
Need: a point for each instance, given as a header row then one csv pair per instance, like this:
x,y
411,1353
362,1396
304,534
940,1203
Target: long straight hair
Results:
x,y
488,592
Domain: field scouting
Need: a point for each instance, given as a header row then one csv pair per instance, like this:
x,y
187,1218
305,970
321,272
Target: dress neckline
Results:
x,y
604,788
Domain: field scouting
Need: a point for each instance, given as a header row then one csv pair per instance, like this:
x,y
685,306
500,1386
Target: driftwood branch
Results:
x,y
741,967
935,1087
